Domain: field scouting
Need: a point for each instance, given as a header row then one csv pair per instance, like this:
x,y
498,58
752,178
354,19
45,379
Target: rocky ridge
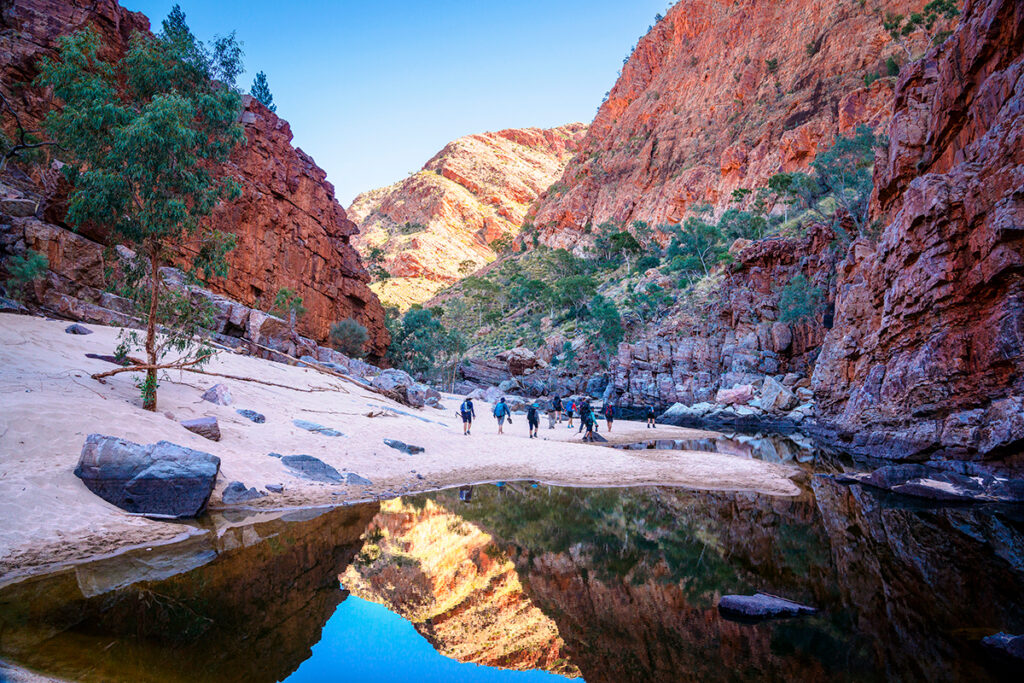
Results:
x,y
716,97
440,223
290,229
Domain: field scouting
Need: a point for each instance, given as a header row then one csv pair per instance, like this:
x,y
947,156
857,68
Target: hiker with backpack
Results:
x,y
533,419
609,414
650,416
502,413
556,405
569,411
467,413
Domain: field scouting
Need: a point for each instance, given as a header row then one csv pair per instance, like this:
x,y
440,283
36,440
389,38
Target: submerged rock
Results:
x,y
154,479
236,492
404,447
1007,644
941,483
205,427
77,329
258,418
314,427
761,606
218,394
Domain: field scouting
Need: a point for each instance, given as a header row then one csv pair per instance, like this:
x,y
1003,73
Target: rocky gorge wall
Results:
x,y
721,95
290,229
927,353
439,224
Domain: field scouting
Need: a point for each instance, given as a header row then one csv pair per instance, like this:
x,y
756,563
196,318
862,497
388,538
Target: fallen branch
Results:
x,y
141,367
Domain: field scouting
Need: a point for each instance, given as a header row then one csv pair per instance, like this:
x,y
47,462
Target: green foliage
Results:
x,y
421,344
375,259
349,337
696,245
410,228
261,91
649,303
466,266
845,172
288,303
772,64
24,270
143,138
871,77
573,292
606,325
812,48
892,67
901,27
503,244
798,300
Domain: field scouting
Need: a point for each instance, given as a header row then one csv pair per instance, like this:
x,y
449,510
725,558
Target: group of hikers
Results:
x,y
588,420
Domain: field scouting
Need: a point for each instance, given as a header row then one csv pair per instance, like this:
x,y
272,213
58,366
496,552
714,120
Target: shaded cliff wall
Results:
x,y
927,353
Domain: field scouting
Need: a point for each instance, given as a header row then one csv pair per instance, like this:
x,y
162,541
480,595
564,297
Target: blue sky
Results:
x,y
373,89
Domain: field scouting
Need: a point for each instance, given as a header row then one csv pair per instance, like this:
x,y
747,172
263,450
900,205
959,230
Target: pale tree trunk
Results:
x,y
149,390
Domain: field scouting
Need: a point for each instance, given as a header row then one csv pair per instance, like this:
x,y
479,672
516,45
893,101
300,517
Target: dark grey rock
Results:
x,y
312,468
406,448
236,492
1007,644
274,488
205,427
761,606
155,479
355,480
258,418
77,329
218,394
314,427
11,306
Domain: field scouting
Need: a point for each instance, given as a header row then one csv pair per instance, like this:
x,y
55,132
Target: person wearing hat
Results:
x,y
533,419
467,412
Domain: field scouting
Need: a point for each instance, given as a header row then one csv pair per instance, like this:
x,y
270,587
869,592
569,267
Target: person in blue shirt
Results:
x,y
467,412
502,413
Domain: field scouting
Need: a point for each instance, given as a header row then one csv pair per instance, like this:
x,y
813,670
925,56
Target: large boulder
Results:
x,y
391,379
162,479
761,606
775,397
738,395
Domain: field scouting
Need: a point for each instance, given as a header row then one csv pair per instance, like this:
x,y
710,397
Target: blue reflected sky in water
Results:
x,y
364,641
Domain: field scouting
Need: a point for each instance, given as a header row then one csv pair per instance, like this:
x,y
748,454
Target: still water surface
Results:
x,y
528,583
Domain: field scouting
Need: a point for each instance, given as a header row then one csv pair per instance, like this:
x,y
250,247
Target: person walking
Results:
x,y
502,413
584,411
609,414
569,411
589,422
650,416
533,419
556,405
467,412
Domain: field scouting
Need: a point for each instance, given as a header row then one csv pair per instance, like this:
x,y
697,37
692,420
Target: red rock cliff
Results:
x,y
721,95
438,225
290,229
927,353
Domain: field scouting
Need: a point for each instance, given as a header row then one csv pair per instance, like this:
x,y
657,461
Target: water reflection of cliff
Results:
x,y
628,579
252,615
457,587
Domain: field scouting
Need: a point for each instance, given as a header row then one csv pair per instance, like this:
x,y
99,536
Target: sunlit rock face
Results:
x,y
927,352
457,586
718,96
440,224
290,229
250,609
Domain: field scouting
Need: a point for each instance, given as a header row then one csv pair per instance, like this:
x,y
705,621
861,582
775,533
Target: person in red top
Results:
x,y
609,414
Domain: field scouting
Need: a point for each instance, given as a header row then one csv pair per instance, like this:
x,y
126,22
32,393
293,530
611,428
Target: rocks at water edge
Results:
x,y
314,427
775,397
1007,644
155,479
236,492
761,606
274,488
258,418
218,394
77,329
941,482
205,427
316,469
406,448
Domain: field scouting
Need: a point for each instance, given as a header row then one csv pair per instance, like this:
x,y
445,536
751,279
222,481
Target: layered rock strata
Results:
x,y
441,223
927,353
722,95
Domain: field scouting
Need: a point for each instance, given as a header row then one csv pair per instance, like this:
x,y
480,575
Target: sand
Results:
x,y
49,404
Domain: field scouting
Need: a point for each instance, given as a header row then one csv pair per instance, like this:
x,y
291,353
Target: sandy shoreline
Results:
x,y
49,404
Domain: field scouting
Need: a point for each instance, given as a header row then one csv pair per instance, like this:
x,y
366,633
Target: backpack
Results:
x,y
501,410
466,407
531,414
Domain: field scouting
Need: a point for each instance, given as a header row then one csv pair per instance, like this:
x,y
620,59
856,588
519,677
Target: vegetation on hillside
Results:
x,y
623,278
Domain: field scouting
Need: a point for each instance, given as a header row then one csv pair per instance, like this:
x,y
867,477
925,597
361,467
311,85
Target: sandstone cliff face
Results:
x,y
439,224
722,95
290,229
927,353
